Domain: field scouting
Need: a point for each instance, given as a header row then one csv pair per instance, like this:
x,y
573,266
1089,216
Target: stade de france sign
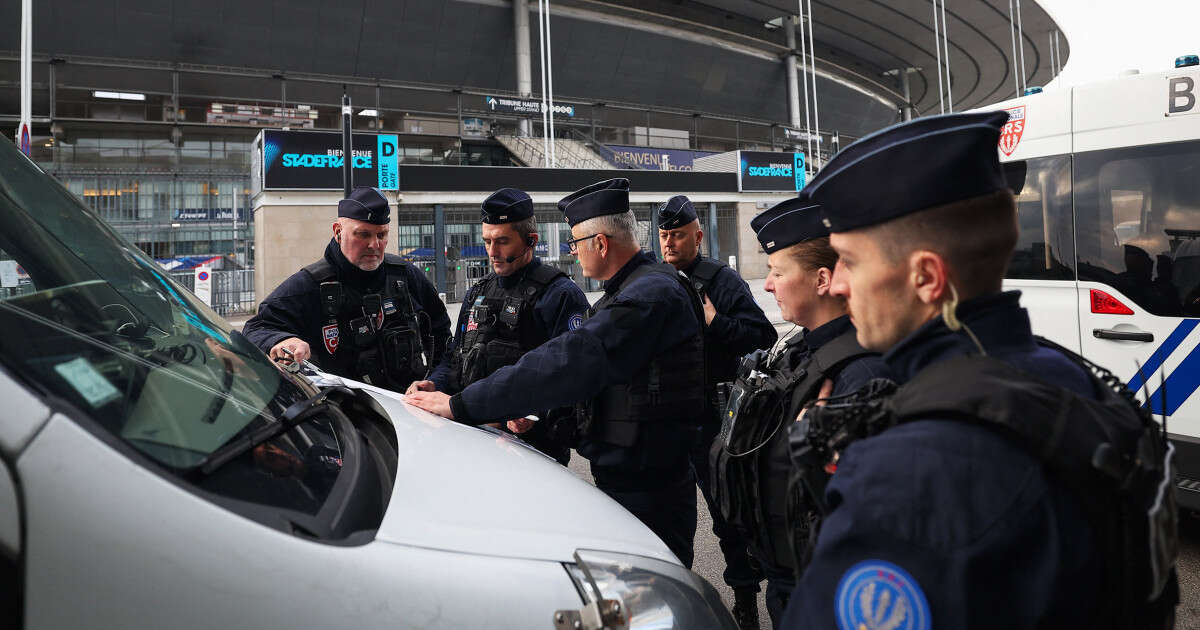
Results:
x,y
312,160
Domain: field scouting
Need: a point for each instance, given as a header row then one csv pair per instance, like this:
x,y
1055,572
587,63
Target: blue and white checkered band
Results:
x,y
874,595
575,322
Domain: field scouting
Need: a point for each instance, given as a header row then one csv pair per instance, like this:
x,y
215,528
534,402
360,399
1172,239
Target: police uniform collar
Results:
x,y
514,279
996,318
612,284
692,265
827,332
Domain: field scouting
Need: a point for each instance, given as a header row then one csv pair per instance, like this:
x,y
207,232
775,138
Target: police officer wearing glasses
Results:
x,y
1007,482
357,312
634,367
734,325
511,311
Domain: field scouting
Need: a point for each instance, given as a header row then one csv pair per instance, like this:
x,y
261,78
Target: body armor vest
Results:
x,y
380,330
1109,452
501,326
671,386
720,364
749,459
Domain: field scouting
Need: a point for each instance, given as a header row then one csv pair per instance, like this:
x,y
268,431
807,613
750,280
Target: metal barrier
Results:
x,y
232,290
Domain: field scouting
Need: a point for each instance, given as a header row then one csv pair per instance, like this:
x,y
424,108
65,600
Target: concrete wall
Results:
x,y
752,260
291,230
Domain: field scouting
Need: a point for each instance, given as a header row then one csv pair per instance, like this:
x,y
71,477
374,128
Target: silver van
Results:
x,y
160,472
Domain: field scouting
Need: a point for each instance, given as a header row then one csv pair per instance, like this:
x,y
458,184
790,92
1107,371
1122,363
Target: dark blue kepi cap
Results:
x,y
677,212
610,196
787,223
366,204
507,205
909,167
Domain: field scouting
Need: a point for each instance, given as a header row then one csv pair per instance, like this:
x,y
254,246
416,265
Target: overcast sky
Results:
x,y
1108,36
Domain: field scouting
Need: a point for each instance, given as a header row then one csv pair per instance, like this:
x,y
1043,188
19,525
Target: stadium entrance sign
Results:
x,y
293,160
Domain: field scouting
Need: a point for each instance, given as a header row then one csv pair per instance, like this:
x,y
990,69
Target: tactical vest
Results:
x,y
720,363
1108,452
749,463
670,387
501,326
381,331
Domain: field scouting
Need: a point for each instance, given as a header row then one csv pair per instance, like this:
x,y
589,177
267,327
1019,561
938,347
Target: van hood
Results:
x,y
465,489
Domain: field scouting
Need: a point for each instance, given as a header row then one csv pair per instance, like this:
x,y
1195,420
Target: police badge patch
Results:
x,y
875,594
575,322
330,335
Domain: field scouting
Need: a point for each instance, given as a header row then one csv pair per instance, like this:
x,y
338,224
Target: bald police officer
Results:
x,y
734,325
512,310
357,312
1008,483
635,367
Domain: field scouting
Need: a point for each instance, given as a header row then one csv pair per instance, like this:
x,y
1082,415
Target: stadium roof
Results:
x,y
712,56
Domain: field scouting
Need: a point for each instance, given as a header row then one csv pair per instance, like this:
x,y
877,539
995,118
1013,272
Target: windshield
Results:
x,y
89,319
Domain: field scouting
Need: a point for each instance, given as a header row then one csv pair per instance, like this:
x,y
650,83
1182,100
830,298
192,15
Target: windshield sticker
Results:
x,y
86,380
8,273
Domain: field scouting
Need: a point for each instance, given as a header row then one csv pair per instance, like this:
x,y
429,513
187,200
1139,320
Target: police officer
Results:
x,y
511,311
734,325
635,365
357,312
825,360
988,491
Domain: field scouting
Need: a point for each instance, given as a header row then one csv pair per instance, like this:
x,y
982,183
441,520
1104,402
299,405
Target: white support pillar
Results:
x,y
524,57
23,127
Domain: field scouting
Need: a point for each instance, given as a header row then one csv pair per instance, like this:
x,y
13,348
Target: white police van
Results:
x,y
1109,250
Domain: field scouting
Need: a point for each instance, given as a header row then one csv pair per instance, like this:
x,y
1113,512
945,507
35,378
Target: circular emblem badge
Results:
x,y
575,322
875,594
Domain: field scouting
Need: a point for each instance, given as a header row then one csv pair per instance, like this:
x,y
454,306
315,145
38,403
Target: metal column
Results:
x,y
906,86
714,250
524,58
439,246
793,84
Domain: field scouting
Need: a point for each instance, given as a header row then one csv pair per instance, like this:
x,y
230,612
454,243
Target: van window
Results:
x,y
1138,224
1046,244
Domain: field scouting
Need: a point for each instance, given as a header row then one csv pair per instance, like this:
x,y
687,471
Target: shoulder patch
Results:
x,y
877,594
575,322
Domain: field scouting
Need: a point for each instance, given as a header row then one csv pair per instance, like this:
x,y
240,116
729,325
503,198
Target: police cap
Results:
x,y
610,196
366,204
909,167
787,223
507,205
677,212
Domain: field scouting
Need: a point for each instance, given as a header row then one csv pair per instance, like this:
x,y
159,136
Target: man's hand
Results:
x,y
433,402
421,386
297,347
520,425
710,311
826,392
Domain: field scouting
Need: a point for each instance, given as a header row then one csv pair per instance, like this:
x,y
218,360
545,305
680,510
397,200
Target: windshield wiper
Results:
x,y
295,414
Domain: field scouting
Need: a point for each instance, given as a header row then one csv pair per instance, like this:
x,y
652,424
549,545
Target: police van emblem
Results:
x,y
875,594
1010,134
330,335
575,322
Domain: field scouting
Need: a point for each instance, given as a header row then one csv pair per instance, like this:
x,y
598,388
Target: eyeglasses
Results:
x,y
573,244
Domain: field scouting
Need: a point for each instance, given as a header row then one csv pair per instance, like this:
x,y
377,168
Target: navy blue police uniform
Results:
x,y
632,361
738,328
345,338
940,521
801,366
543,303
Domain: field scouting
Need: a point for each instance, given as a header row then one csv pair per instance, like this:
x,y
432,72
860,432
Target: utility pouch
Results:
x,y
510,313
364,332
